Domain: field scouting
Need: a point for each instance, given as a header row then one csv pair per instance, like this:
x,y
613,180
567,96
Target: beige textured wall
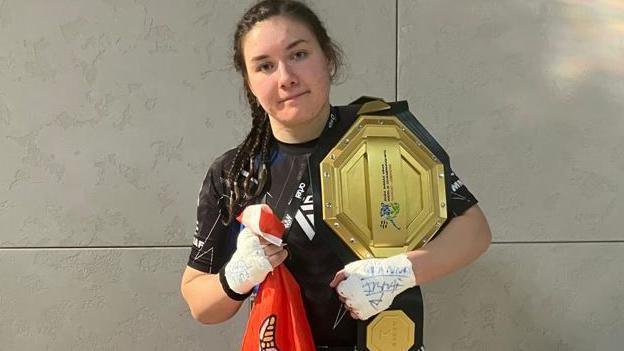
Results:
x,y
528,99
112,110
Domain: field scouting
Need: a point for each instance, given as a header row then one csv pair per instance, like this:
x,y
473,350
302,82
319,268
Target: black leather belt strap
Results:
x,y
336,348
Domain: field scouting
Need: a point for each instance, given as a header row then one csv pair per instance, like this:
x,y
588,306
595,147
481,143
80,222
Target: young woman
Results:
x,y
287,62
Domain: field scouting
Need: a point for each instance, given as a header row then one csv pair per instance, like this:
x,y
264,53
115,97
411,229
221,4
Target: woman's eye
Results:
x,y
264,67
300,55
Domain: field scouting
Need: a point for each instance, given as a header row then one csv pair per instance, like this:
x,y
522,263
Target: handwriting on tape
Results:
x,y
381,280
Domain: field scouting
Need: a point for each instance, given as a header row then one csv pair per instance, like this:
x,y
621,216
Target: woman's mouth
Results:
x,y
293,97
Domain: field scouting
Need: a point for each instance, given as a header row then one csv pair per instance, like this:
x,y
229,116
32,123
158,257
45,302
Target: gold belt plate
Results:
x,y
383,190
390,331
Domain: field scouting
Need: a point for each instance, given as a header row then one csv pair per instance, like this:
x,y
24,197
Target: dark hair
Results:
x,y
250,164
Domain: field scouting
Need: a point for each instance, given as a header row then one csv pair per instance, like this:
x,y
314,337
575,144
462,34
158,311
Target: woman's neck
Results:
x,y
304,132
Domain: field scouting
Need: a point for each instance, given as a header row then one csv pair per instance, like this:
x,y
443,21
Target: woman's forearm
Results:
x,y
462,241
205,297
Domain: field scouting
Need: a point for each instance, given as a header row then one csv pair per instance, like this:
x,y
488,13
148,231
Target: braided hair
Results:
x,y
249,174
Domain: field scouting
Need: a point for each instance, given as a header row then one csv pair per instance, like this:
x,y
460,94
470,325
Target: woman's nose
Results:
x,y
287,77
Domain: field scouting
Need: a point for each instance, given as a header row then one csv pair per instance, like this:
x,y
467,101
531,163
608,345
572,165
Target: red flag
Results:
x,y
277,321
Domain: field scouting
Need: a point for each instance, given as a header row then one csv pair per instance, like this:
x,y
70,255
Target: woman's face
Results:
x,y
287,71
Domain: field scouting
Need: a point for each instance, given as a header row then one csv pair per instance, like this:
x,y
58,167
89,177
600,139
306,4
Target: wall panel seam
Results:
x,y
396,50
558,242
86,248
143,247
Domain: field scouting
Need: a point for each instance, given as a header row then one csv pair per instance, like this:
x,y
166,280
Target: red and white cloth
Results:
x,y
261,220
278,319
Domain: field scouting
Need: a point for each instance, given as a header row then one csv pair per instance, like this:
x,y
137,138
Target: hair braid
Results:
x,y
232,187
242,193
261,123
264,155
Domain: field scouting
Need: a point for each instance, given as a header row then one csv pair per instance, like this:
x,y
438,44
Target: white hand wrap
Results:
x,y
249,264
372,284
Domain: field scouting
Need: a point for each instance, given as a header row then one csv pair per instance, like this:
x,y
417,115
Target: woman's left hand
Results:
x,y
369,286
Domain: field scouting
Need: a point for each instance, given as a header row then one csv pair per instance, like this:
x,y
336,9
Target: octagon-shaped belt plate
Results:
x,y
390,331
383,190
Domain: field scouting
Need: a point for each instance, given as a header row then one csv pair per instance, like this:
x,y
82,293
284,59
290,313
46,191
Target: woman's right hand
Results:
x,y
276,254
253,259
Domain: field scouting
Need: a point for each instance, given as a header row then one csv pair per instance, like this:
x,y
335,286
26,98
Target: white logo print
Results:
x,y
198,243
300,190
287,220
305,217
458,184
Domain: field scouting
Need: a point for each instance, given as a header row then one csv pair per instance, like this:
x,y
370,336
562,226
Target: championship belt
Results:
x,y
380,179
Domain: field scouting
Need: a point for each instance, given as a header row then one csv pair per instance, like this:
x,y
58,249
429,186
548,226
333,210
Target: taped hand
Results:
x,y
372,284
249,264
